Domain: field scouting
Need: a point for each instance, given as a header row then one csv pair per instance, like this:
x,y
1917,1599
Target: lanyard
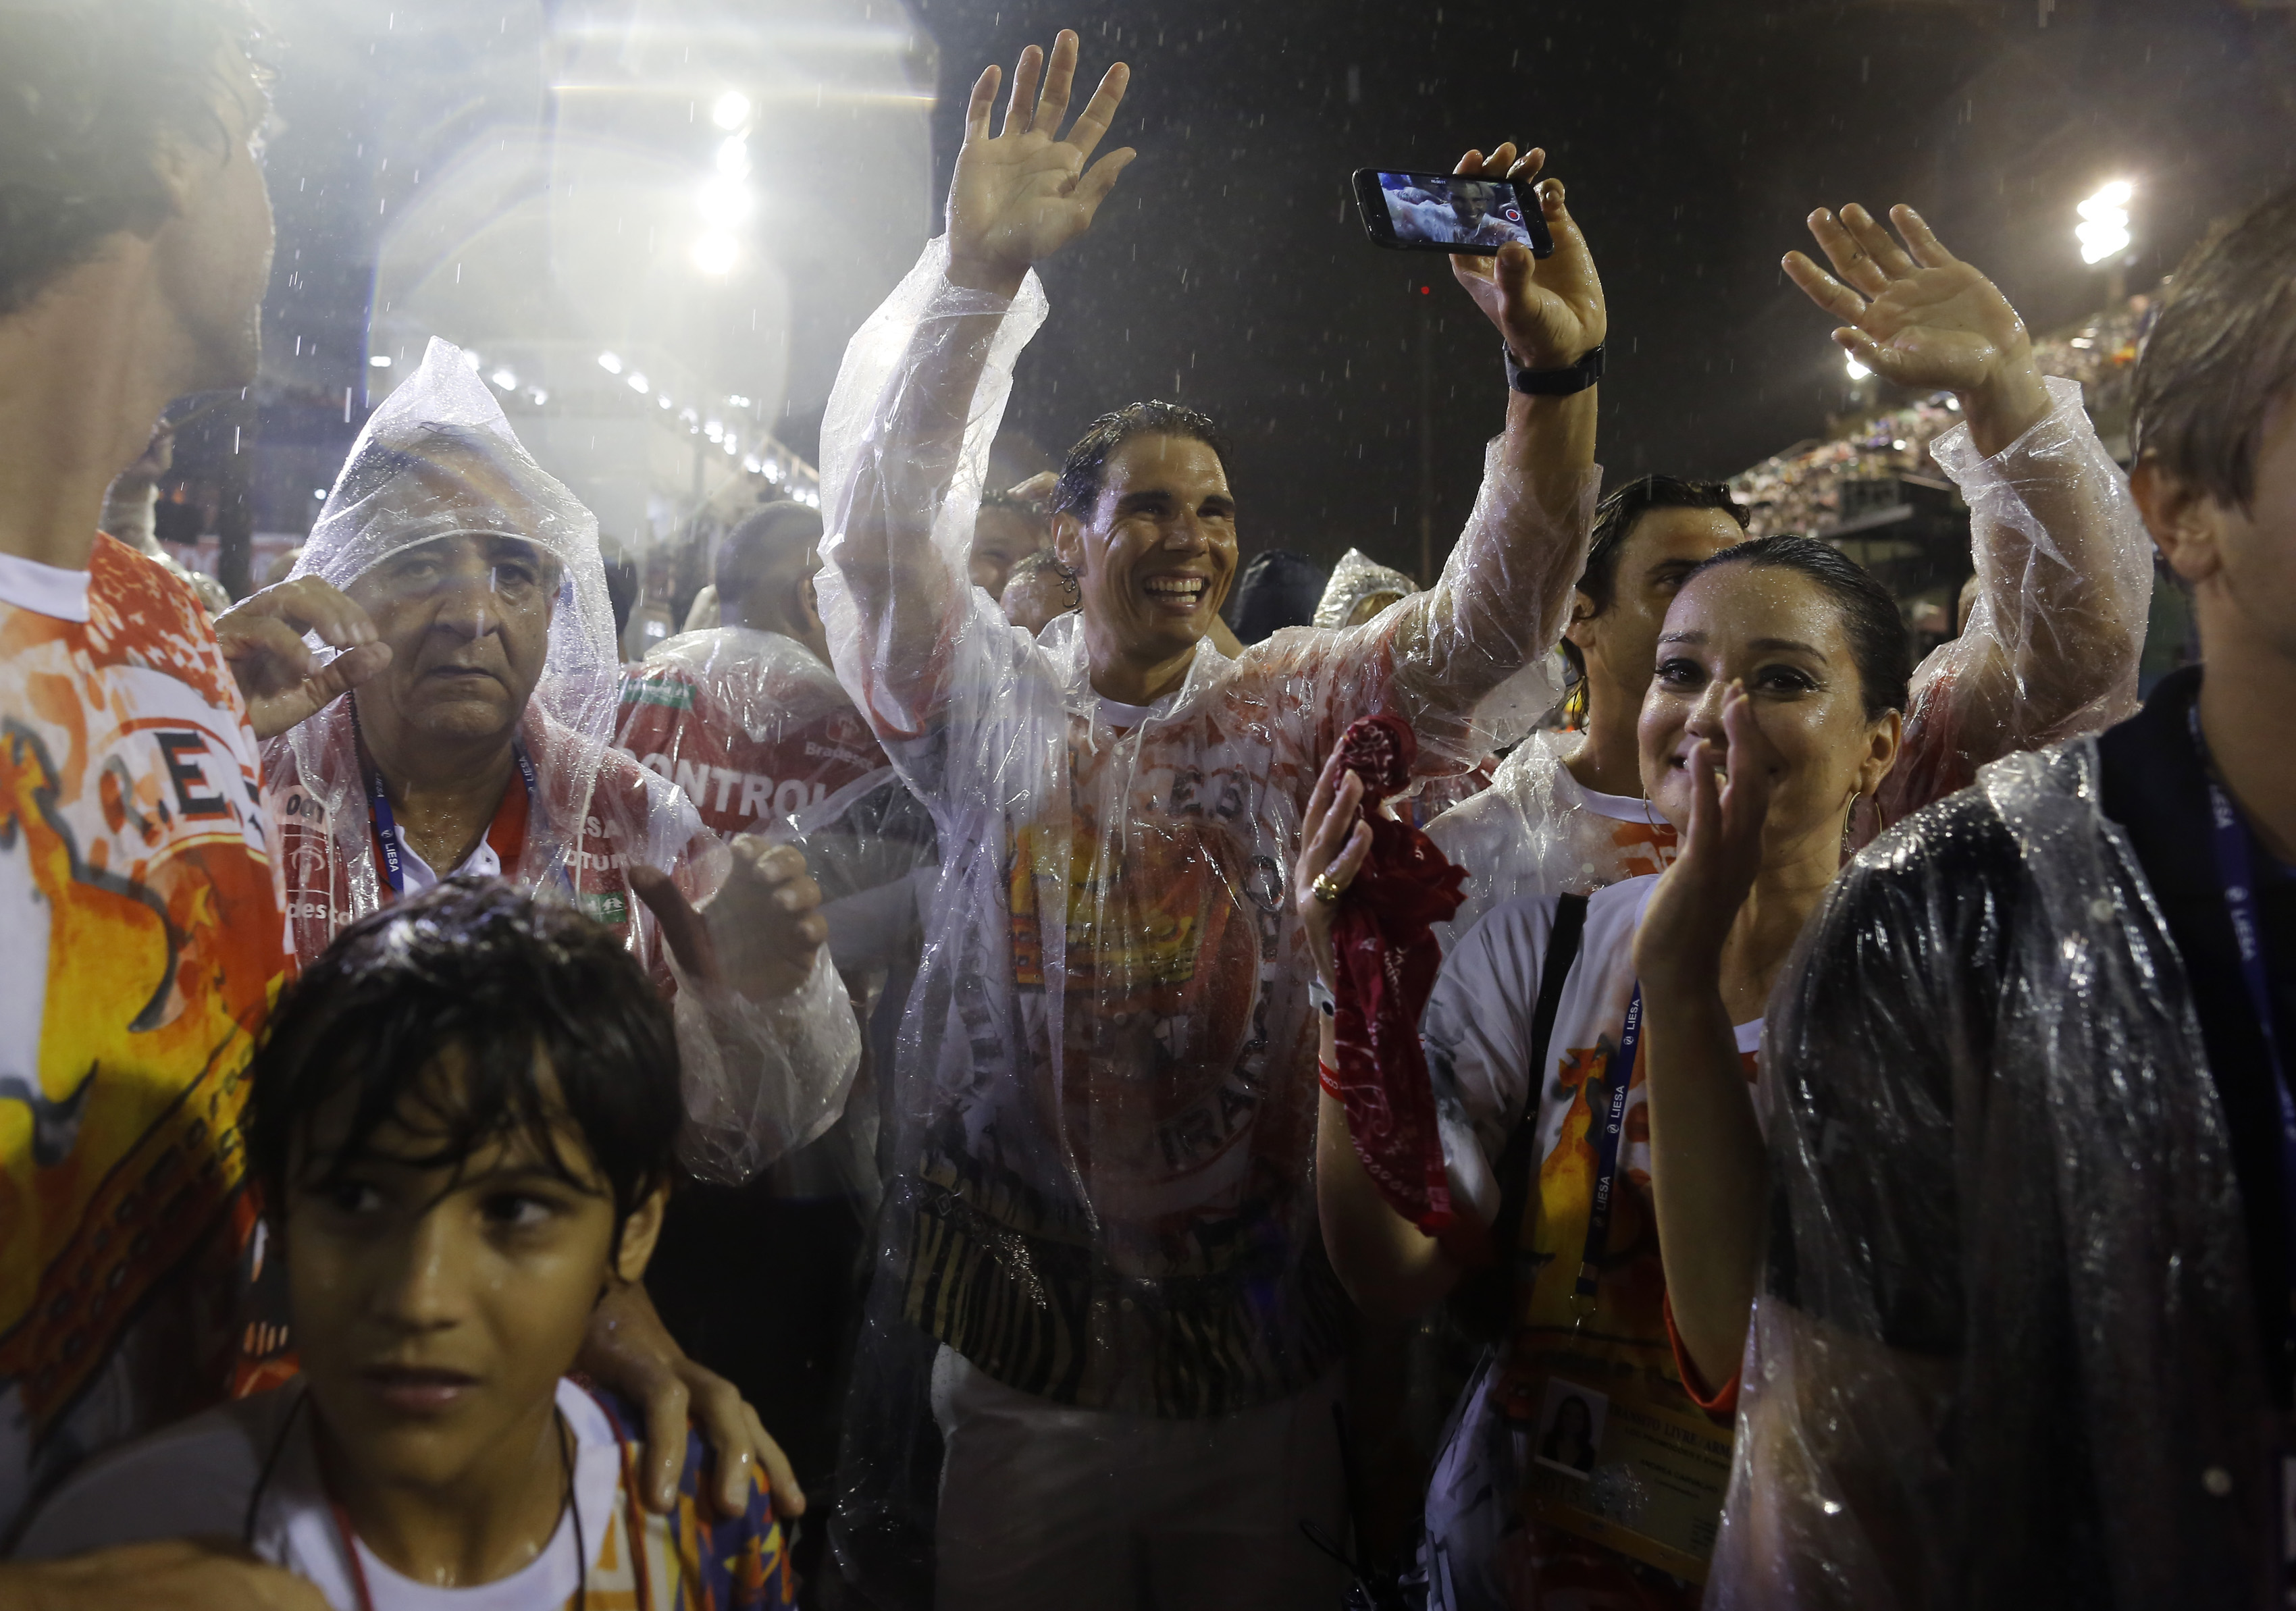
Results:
x,y
1606,1147
2235,870
633,1521
386,826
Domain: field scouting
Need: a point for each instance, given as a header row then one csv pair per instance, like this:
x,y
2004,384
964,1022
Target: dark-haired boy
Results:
x,y
464,1118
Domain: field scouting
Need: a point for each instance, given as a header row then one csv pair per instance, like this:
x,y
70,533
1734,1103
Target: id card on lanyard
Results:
x,y
2237,870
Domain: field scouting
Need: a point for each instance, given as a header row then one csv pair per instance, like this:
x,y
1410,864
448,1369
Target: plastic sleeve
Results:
x,y
904,446
763,1078
2064,584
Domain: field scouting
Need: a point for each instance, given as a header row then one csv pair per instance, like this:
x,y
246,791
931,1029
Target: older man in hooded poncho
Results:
x,y
485,748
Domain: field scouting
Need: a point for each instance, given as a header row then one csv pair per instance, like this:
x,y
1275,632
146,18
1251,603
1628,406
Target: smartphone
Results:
x,y
1447,213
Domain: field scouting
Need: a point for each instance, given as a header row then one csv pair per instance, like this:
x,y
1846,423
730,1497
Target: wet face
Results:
x,y
1779,633
435,1307
1157,552
212,258
1621,643
468,621
1001,539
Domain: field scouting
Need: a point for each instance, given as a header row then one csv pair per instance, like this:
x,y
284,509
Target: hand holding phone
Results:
x,y
1549,310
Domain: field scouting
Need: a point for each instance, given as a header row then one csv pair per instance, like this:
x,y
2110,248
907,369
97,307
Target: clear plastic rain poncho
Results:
x,y
1354,579
1104,1119
2006,1353
2064,575
755,729
439,460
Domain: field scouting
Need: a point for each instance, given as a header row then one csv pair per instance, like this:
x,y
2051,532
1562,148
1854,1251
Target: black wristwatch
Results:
x,y
1553,382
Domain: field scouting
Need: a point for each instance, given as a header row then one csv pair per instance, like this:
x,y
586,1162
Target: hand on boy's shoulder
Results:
x,y
166,1574
741,1557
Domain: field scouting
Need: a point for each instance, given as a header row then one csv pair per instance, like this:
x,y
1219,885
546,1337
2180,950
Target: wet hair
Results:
x,y
1043,558
88,89
1870,619
474,965
1615,520
2221,352
1028,509
1085,471
762,546
1278,589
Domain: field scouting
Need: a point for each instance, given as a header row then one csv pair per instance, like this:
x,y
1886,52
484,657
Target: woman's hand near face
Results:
x,y
1920,317
1679,945
1709,1179
1333,841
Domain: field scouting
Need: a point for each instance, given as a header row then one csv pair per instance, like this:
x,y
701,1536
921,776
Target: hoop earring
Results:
x,y
1068,577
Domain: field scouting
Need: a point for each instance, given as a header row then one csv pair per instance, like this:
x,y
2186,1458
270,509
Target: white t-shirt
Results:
x,y
1537,830
1478,1031
195,1479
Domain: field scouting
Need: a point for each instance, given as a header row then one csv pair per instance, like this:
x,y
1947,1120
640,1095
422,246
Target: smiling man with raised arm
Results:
x,y
1102,1236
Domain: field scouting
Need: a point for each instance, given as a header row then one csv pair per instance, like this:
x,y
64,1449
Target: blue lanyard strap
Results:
x,y
1618,1075
2235,870
386,825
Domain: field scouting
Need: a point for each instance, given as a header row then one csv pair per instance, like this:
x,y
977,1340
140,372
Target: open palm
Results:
x,y
1914,313
1021,194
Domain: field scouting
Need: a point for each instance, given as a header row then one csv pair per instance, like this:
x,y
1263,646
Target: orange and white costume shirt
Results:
x,y
141,945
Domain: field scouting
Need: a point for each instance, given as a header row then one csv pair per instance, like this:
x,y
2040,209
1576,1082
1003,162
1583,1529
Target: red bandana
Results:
x,y
1387,966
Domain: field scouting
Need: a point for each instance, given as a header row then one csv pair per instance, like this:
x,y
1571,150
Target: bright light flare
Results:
x,y
609,363
2103,230
504,380
639,384
732,110
1857,371
723,202
714,253
733,157
380,361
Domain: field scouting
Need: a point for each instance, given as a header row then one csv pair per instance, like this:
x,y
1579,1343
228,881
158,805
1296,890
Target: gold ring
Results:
x,y
1324,890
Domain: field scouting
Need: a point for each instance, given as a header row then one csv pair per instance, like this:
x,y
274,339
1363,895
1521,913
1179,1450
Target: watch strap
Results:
x,y
1553,382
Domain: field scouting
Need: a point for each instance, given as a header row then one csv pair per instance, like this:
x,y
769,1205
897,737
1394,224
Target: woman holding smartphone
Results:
x,y
1619,1155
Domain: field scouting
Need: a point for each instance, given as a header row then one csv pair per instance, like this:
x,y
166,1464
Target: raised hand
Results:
x,y
1679,943
758,936
1333,841
1917,315
1550,313
262,639
1021,194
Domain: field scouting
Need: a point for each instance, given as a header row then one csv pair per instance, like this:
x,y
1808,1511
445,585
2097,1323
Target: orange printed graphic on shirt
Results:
x,y
1643,848
132,854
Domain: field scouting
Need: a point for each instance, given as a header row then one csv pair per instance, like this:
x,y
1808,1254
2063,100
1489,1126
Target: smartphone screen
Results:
x,y
1442,212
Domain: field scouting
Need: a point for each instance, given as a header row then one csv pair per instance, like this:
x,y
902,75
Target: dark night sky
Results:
x,y
1229,271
